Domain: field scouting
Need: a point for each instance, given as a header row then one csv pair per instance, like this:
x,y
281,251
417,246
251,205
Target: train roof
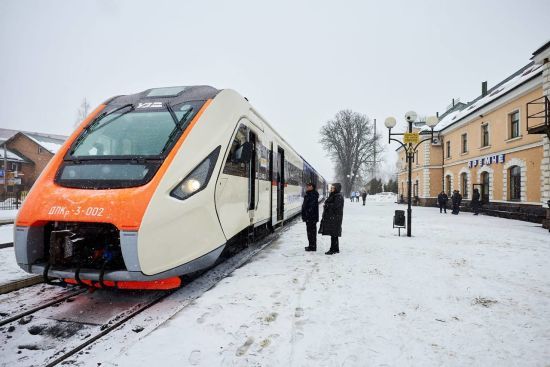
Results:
x,y
174,95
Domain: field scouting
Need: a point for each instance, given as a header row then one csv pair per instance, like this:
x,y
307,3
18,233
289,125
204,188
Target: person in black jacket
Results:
x,y
310,215
476,202
442,199
456,199
364,196
333,213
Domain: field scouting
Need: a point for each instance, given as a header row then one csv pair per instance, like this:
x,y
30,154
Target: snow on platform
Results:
x,y
9,270
464,291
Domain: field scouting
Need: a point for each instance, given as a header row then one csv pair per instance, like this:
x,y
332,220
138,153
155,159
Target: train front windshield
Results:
x,y
124,148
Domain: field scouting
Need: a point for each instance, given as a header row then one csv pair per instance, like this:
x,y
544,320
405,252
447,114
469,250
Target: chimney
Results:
x,y
484,88
453,102
437,114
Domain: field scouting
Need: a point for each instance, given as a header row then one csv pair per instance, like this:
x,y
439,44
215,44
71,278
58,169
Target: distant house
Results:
x,y
28,154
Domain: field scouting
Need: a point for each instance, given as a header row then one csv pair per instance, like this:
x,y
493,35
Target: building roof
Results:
x,y
11,156
50,142
541,49
518,78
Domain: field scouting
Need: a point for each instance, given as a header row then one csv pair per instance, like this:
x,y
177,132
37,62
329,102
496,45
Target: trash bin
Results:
x,y
399,219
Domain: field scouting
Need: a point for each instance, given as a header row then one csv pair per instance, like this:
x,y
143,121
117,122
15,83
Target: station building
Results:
x,y
497,143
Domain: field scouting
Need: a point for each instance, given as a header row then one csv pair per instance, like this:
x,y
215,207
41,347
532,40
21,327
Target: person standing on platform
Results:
x,y
310,215
333,213
364,196
476,203
442,199
456,199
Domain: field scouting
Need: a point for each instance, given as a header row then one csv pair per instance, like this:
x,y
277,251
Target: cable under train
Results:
x,y
157,185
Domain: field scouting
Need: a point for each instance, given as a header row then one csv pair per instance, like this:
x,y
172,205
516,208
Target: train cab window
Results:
x,y
124,148
233,166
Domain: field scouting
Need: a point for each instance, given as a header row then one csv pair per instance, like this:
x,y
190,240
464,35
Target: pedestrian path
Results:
x,y
464,290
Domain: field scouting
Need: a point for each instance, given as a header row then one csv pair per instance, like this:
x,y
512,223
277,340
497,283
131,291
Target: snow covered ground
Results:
x,y
464,291
9,270
8,215
6,233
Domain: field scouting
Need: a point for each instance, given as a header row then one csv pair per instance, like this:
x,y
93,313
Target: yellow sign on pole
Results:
x,y
411,138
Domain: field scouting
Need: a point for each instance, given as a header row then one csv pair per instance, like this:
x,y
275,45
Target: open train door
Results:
x,y
253,184
273,181
280,183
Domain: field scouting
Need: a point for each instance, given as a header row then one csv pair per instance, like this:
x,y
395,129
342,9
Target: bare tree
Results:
x,y
82,112
350,142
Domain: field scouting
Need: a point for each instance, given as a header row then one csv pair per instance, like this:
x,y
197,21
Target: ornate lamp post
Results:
x,y
410,144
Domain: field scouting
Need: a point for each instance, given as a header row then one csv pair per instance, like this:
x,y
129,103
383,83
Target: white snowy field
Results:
x,y
464,291
8,215
9,270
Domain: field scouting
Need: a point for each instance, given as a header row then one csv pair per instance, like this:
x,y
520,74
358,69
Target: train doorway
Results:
x,y
252,175
280,183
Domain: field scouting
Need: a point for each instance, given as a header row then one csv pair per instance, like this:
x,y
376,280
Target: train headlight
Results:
x,y
198,178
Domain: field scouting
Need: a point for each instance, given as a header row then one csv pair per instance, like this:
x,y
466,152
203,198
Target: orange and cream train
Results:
x,y
157,185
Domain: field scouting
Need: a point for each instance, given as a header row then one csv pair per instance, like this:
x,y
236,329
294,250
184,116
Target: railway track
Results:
x,y
42,306
41,348
6,245
107,329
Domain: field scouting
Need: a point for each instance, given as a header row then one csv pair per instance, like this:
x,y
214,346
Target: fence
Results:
x,y
12,200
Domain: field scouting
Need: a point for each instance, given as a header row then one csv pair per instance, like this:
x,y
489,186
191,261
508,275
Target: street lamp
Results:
x,y
410,144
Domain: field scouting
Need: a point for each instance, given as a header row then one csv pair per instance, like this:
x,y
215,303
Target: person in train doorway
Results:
x,y
364,197
476,202
331,222
310,215
442,200
456,199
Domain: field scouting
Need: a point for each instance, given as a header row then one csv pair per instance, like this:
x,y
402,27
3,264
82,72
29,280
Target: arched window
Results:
x,y
448,185
485,187
515,182
464,184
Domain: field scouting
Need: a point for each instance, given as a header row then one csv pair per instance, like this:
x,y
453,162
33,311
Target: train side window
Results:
x,y
232,166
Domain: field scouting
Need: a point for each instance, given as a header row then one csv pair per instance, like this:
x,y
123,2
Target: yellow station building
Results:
x,y
497,143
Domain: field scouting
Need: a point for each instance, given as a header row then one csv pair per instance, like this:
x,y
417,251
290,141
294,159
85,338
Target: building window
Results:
x,y
448,185
448,149
485,135
40,150
464,143
464,184
416,158
515,182
14,167
514,124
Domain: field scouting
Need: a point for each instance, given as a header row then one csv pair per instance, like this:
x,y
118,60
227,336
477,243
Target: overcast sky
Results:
x,y
298,62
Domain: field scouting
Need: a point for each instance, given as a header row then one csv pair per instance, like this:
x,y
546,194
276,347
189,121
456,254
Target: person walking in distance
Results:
x,y
333,213
476,201
364,197
442,199
310,215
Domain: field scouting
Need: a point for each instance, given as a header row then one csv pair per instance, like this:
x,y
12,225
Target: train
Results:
x,y
157,185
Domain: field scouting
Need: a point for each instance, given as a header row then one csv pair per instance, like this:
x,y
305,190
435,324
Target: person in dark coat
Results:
x,y
310,215
476,203
364,196
442,199
333,213
456,199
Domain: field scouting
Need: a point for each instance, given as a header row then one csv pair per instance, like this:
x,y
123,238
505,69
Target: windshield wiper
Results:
x,y
178,126
96,121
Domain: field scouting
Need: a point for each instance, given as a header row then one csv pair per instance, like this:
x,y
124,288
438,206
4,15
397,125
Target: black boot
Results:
x,y
330,252
309,248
